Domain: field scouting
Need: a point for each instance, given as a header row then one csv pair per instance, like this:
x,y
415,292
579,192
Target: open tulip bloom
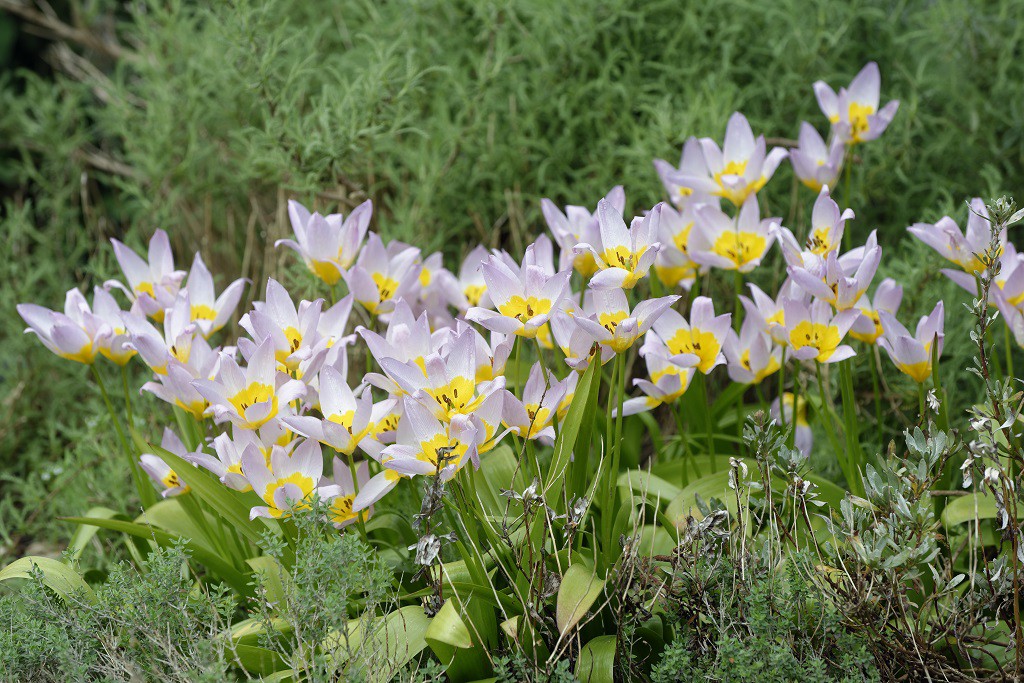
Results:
x,y
208,311
613,325
868,327
428,447
154,284
383,275
962,248
827,277
680,341
912,353
815,333
691,164
669,380
287,480
827,224
327,244
738,169
533,416
251,397
524,297
166,479
854,112
815,163
578,225
751,355
720,241
347,419
625,255
803,436
76,334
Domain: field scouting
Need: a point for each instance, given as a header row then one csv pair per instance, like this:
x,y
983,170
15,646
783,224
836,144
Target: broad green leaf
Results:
x,y
257,660
577,593
86,532
655,540
684,470
596,663
643,483
968,508
200,554
57,576
460,635
570,428
249,631
170,516
272,577
206,486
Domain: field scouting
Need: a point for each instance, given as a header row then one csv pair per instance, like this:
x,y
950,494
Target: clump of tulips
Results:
x,y
502,429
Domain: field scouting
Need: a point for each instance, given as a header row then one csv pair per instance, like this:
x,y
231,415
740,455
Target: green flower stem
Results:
x,y
782,390
943,418
146,493
791,437
854,454
825,417
875,387
1009,351
702,398
613,448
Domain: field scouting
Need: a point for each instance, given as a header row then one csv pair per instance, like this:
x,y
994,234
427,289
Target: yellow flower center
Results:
x,y
824,338
869,337
325,270
250,396
610,322
858,116
145,288
171,480
819,243
386,288
341,510
585,264
440,451
622,257
760,374
203,312
425,277
682,238
701,343
736,196
456,397
740,247
474,293
302,482
539,418
524,310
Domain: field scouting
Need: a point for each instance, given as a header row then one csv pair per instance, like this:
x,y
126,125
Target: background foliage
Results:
x,y
455,118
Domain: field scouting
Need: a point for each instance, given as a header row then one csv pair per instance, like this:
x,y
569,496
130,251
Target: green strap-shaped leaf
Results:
x,y
643,483
579,590
57,576
258,660
462,643
596,663
570,429
272,576
968,508
212,561
86,532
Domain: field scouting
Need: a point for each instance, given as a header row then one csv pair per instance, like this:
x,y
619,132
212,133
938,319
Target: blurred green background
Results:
x,y
455,118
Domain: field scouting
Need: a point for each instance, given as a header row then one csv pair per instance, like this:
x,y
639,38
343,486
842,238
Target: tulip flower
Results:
x,y
445,385
1009,282
293,331
625,255
153,283
912,354
227,465
854,112
346,418
702,337
737,170
327,244
525,298
815,333
579,226
115,344
533,417
577,345
962,249
827,278
252,397
827,224
691,164
340,512
75,334
803,439
769,313
174,344
668,382
159,471
175,387
751,355
286,481
468,289
427,446
383,275
868,327
209,311
612,324
815,163
739,244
